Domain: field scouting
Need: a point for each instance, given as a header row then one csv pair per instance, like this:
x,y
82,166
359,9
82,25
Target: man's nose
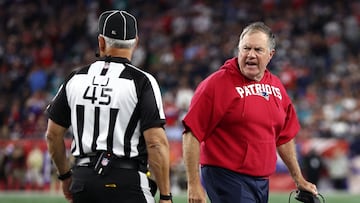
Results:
x,y
251,53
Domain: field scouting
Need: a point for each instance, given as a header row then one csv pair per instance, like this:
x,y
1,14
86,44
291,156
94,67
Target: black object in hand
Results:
x,y
306,197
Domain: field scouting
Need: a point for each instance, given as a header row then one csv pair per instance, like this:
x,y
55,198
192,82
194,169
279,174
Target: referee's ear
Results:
x,y
102,45
136,44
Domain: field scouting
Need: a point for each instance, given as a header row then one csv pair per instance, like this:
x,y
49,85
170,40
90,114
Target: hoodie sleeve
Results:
x,y
291,126
207,106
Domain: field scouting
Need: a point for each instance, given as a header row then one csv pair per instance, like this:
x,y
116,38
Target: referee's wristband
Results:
x,y
166,197
65,175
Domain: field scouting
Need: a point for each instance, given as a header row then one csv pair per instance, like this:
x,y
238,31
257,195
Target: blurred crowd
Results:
x,y
181,42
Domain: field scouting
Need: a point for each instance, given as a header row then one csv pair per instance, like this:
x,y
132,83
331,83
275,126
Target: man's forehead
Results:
x,y
258,39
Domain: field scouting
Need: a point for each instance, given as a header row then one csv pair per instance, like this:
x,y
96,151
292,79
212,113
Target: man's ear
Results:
x,y
137,42
272,52
102,44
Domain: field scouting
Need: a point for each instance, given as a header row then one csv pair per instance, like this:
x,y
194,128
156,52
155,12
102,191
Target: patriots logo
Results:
x,y
265,95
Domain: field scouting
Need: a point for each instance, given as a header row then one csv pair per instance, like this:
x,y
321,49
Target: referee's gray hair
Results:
x,y
116,43
260,26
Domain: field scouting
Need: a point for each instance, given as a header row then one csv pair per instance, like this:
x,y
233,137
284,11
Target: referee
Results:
x,y
116,116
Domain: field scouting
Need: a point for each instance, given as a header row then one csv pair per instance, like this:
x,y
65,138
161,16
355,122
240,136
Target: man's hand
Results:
x,y
196,194
191,153
65,187
306,185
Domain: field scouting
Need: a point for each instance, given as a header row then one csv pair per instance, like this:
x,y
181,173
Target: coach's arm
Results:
x,y
191,154
288,155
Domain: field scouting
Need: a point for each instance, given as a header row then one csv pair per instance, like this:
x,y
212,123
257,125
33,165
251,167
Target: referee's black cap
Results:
x,y
118,24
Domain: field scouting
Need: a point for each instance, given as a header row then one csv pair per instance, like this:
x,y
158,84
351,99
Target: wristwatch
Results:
x,y
65,175
166,197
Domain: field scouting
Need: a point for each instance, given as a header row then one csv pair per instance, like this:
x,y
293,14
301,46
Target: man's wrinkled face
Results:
x,y
254,55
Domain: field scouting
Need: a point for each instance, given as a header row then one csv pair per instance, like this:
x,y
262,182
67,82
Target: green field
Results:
x,y
26,197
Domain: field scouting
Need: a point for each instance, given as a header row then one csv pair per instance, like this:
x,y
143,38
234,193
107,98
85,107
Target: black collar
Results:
x,y
114,59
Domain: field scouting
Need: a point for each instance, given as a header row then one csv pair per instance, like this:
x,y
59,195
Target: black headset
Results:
x,y
306,197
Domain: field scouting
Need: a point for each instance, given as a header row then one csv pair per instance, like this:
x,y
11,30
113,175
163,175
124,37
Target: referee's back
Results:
x,y
104,101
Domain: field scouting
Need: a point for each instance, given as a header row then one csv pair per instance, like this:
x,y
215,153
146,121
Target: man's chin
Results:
x,y
253,75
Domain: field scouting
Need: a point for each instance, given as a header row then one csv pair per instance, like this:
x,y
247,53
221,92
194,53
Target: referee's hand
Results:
x,y
65,187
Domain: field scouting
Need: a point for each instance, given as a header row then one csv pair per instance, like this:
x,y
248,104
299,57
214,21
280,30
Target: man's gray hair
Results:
x,y
260,27
121,44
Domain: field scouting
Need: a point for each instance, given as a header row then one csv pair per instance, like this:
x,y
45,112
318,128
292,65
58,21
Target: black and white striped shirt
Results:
x,y
108,104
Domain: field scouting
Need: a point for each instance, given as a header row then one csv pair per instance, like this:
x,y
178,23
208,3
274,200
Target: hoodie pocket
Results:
x,y
260,158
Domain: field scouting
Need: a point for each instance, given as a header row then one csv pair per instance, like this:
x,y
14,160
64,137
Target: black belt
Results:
x,y
121,163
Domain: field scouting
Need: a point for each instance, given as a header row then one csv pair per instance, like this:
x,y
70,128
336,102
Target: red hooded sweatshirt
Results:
x,y
240,122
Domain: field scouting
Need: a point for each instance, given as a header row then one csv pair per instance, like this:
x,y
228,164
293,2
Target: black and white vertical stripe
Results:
x,y
108,105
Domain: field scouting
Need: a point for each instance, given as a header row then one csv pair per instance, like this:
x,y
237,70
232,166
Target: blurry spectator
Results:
x,y
172,112
36,103
34,164
201,21
179,23
15,117
16,131
46,59
49,173
170,109
2,169
338,169
288,76
28,127
37,80
184,94
3,121
354,178
15,167
139,55
313,166
355,147
7,163
55,79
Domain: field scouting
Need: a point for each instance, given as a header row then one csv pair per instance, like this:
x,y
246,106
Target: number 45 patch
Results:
x,y
105,92
103,99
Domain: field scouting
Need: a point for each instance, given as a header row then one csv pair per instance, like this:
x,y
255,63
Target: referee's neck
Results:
x,y
116,52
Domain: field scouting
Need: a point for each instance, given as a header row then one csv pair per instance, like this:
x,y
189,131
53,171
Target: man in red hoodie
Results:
x,y
238,118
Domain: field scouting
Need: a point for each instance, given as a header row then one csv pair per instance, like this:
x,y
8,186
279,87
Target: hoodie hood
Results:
x,y
231,66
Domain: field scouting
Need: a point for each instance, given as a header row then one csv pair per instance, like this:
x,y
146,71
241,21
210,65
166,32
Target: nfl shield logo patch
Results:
x,y
104,161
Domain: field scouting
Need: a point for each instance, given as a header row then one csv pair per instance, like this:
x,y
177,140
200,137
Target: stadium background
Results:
x,y
181,42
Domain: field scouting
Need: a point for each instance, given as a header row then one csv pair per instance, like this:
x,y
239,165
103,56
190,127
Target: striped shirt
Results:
x,y
108,105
